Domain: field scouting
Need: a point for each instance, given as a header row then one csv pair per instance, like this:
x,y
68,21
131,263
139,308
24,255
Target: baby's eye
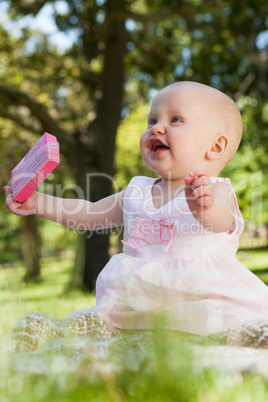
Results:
x,y
175,120
152,122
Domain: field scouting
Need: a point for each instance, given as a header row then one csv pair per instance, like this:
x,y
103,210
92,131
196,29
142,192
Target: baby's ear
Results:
x,y
218,147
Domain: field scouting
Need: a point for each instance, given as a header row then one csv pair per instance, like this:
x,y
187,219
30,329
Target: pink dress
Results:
x,y
174,273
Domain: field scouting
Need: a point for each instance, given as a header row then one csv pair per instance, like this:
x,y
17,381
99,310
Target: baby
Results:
x,y
181,230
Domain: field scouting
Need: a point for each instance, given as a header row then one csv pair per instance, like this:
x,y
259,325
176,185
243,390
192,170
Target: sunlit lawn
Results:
x,y
168,375
256,261
47,296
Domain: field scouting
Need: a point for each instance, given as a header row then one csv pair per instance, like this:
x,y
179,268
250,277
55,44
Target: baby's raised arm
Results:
x,y
107,212
209,203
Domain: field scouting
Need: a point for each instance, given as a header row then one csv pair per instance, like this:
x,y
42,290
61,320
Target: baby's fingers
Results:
x,y
8,189
9,198
198,172
202,191
12,204
188,179
204,202
202,181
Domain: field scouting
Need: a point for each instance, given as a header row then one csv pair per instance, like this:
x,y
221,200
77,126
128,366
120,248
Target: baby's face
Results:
x,y
180,131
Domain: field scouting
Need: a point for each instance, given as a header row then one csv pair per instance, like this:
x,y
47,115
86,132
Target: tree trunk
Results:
x,y
103,130
31,249
92,246
96,258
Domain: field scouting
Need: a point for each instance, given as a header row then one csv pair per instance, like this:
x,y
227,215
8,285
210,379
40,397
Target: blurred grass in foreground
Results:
x,y
167,373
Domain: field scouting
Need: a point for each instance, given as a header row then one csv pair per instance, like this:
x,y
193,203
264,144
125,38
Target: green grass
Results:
x,y
256,261
167,374
47,296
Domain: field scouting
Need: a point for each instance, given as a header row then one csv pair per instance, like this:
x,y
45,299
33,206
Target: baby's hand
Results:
x,y
20,209
199,191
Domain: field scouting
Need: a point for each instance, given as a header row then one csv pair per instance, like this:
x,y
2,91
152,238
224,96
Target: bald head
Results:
x,y
221,110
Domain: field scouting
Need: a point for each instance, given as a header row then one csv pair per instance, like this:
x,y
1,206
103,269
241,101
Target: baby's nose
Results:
x,y
158,128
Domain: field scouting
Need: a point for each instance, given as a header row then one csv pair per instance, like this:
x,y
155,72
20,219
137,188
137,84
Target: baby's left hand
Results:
x,y
199,191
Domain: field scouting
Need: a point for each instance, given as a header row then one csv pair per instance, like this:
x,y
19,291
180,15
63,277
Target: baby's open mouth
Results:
x,y
156,145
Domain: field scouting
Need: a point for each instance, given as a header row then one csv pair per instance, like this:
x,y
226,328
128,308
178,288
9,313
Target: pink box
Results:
x,y
34,168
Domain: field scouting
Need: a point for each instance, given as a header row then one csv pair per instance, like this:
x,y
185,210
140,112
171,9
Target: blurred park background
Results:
x,y
86,71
